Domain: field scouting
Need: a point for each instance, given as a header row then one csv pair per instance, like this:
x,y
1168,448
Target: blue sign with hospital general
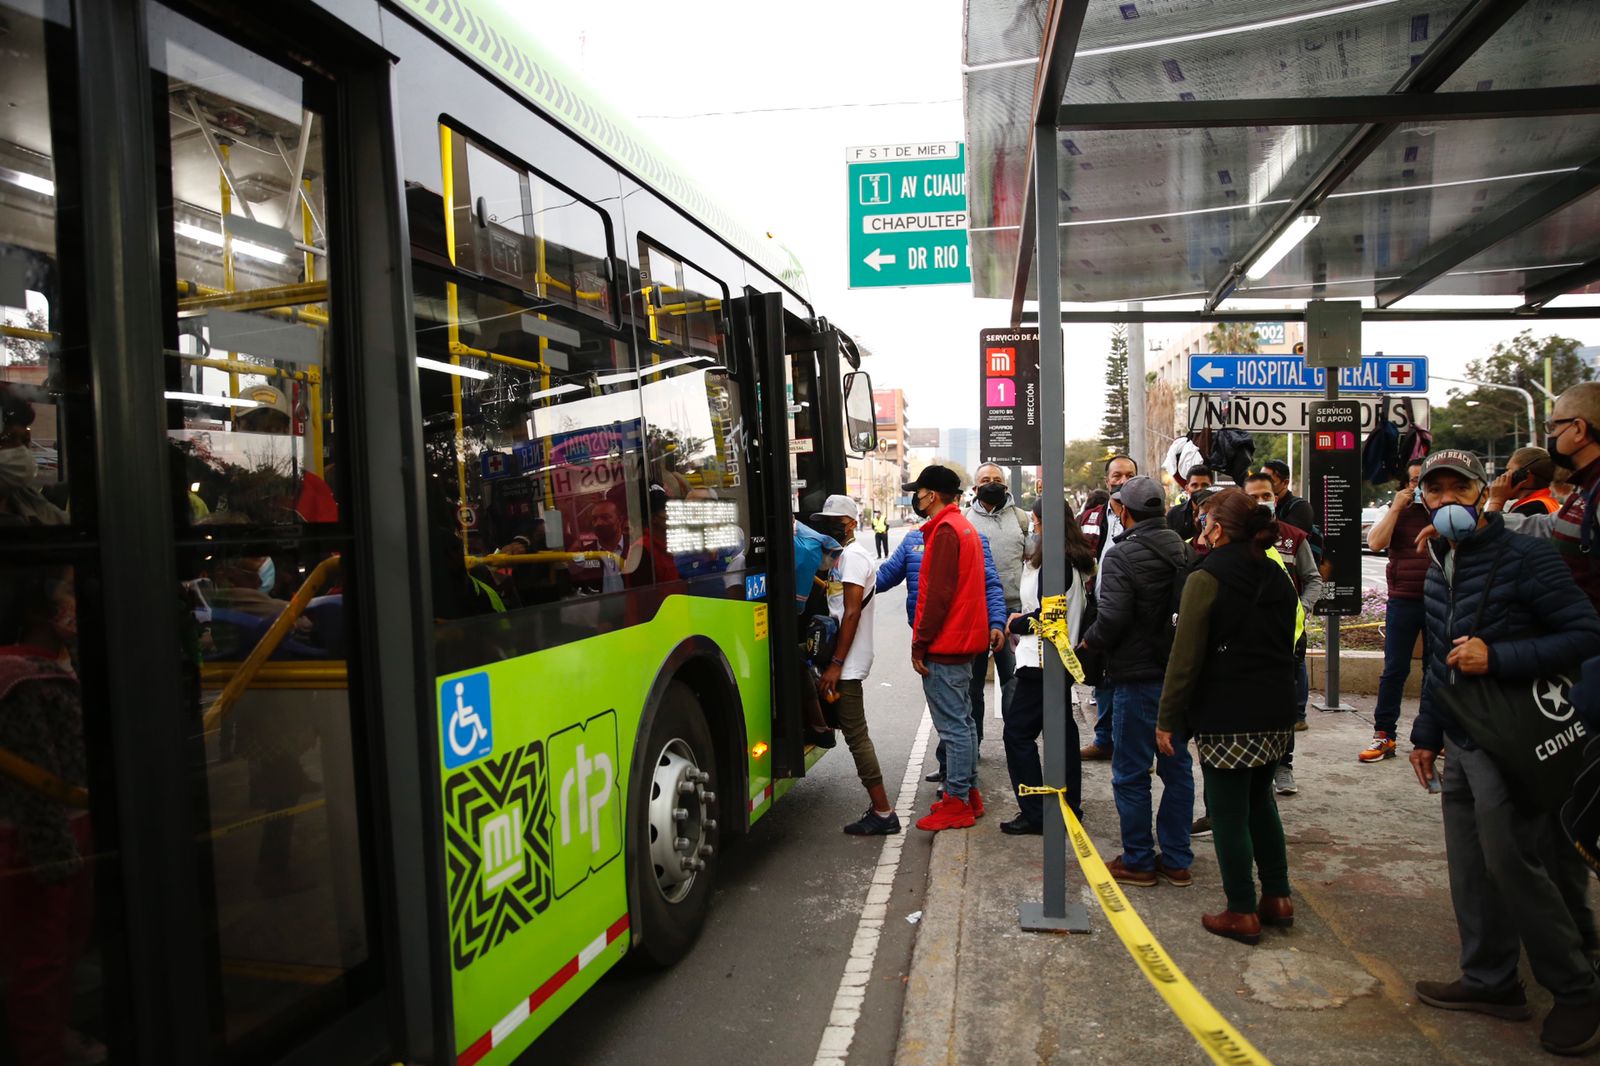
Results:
x,y
1258,373
1008,385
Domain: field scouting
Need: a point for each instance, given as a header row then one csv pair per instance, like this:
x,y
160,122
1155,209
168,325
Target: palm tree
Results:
x,y
1225,337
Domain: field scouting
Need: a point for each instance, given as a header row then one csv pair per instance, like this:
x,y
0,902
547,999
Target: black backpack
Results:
x,y
1232,451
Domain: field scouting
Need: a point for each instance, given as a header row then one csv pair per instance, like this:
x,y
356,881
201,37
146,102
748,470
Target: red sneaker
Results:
x,y
975,799
948,813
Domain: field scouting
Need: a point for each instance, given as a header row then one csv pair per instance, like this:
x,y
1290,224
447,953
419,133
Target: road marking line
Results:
x,y
834,1047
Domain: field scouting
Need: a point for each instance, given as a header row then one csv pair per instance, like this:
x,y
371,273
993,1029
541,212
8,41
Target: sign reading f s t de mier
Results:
x,y
908,214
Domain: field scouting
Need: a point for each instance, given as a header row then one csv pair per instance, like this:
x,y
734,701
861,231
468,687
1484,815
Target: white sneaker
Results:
x,y
1283,781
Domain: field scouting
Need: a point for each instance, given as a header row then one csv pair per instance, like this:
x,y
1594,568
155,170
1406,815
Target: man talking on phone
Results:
x,y
1402,618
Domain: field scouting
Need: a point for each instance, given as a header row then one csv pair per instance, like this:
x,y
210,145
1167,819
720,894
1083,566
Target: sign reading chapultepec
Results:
x,y
908,215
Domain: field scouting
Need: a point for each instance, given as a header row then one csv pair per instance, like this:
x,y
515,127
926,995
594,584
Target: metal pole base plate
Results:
x,y
1031,916
1340,706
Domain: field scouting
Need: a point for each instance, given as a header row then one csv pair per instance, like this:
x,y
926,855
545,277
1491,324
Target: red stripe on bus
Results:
x,y
475,1051
618,927
552,986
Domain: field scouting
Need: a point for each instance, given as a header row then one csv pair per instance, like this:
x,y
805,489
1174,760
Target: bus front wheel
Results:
x,y
676,825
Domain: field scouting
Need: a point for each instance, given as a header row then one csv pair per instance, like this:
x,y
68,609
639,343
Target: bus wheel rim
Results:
x,y
680,821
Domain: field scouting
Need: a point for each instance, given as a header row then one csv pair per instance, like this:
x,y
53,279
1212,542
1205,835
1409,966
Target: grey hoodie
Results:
x,y
1006,531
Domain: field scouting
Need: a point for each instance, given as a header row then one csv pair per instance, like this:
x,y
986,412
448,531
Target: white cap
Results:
x,y
838,506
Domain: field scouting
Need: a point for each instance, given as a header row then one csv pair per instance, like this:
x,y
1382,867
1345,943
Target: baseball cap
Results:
x,y
268,397
838,506
1457,459
1141,496
937,479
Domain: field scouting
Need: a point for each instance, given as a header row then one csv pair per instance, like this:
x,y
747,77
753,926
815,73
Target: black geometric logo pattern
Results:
x,y
497,849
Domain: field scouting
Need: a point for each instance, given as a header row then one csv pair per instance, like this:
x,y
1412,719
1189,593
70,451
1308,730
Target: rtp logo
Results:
x,y
587,792
465,720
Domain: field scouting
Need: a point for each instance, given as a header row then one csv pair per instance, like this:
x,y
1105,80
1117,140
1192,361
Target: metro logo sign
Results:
x,y
1001,362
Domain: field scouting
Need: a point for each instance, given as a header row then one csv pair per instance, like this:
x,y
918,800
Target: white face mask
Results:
x,y
18,469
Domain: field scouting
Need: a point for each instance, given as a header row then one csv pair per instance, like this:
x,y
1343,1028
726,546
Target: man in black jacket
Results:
x,y
1134,634
1291,508
1182,517
1505,606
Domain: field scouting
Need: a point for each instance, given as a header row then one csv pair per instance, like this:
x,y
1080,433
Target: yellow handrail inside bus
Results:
x,y
22,333
196,298
245,675
330,673
497,559
42,781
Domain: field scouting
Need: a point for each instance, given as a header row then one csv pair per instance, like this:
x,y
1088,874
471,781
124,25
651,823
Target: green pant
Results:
x,y
852,712
1246,833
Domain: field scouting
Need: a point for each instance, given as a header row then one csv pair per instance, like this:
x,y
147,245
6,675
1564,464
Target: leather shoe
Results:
x,y
1020,826
1245,928
1093,753
1276,910
937,775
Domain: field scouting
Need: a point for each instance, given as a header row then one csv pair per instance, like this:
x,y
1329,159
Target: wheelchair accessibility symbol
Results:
x,y
465,717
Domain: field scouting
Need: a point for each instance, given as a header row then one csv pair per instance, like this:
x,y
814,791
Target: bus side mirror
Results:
x,y
860,423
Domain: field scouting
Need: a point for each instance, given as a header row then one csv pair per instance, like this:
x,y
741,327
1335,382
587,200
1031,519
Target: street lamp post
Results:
x,y
1524,393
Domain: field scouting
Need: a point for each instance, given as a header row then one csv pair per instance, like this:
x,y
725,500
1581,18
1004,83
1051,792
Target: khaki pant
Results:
x,y
851,709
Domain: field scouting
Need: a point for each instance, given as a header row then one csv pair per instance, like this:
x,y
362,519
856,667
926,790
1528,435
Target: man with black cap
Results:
x,y
950,629
1503,606
1133,633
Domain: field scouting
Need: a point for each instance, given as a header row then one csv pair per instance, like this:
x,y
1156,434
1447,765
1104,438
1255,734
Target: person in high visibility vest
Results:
x,y
1230,685
880,534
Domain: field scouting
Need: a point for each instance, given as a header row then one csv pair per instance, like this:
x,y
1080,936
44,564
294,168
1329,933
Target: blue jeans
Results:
x,y
1402,621
1134,733
951,708
1102,721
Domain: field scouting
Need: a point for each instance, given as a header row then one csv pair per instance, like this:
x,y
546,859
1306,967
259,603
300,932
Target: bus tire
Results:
x,y
674,822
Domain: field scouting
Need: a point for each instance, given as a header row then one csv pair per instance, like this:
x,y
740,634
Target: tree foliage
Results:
x,y
1494,421
1083,466
1114,426
1233,337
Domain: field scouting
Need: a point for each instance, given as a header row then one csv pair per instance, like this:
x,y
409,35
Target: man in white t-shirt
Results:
x,y
850,587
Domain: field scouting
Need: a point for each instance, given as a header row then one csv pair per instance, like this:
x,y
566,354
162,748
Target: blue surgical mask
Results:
x,y
1456,521
269,575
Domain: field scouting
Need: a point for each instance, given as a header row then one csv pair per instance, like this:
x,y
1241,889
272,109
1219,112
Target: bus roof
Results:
x,y
487,33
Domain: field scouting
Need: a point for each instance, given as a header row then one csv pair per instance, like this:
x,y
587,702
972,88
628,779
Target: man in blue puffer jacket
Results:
x,y
1511,880
905,564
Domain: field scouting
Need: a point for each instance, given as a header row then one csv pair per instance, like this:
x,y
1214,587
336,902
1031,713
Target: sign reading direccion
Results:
x,y
908,214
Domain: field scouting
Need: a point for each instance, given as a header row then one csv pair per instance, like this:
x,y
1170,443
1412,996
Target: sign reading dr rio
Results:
x,y
1008,390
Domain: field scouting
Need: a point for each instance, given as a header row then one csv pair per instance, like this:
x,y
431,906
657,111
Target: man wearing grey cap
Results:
x,y
1133,632
1504,606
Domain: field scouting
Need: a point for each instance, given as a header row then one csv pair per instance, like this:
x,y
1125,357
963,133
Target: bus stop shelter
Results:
x,y
1142,151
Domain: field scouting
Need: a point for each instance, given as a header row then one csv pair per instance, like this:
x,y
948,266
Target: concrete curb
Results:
x,y
927,1027
1359,672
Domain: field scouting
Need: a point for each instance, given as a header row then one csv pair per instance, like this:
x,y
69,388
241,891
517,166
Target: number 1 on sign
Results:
x,y
1002,392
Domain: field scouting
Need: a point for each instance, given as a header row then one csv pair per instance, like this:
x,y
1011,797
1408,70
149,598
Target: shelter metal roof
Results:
x,y
1449,148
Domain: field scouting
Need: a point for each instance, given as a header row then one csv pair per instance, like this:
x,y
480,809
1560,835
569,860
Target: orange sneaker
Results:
x,y
948,813
1381,748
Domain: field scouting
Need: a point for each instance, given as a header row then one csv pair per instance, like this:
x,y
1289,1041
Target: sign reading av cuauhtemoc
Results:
x,y
908,214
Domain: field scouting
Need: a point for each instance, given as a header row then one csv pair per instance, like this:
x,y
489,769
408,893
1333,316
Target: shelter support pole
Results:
x,y
1332,644
1053,913
1138,439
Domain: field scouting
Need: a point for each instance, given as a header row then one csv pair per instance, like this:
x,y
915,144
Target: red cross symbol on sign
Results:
x,y
1400,374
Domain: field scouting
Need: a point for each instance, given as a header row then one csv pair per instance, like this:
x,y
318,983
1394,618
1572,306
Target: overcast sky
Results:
x,y
758,103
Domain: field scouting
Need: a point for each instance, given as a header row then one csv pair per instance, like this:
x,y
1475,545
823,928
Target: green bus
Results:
x,y
398,459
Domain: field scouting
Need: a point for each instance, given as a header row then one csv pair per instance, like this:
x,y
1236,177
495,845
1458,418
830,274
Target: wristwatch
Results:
x,y
838,662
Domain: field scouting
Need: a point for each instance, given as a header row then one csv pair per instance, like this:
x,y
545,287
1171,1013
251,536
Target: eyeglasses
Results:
x,y
1550,427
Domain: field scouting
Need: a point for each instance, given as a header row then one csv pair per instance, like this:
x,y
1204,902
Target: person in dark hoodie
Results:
x,y
1230,684
1502,606
1132,633
45,884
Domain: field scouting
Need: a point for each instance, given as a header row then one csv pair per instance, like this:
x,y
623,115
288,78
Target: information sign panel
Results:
x,y
1392,374
1291,414
1008,387
1334,448
908,215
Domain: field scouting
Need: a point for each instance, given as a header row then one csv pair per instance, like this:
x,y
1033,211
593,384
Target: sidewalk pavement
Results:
x,y
1372,916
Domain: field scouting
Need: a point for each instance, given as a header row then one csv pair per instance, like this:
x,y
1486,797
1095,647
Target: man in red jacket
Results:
x,y
951,627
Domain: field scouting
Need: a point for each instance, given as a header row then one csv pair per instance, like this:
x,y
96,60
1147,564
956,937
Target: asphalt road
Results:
x,y
760,984
1372,569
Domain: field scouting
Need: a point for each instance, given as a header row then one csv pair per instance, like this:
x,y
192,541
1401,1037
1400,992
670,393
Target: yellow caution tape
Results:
x,y
1052,626
1205,1023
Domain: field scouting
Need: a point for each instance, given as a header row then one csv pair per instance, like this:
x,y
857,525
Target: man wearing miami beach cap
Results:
x,y
1504,606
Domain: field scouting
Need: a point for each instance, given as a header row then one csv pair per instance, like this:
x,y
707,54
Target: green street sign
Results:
x,y
908,215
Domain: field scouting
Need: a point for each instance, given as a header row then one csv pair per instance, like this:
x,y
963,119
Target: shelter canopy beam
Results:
x,y
1457,44
1063,27
1452,253
1576,278
1386,108
1370,314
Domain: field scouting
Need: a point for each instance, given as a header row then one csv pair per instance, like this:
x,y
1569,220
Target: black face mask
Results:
x,y
992,494
1562,460
917,508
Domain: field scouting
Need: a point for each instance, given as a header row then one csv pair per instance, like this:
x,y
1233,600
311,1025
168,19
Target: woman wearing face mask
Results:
x,y
21,501
1024,718
1230,684
1502,606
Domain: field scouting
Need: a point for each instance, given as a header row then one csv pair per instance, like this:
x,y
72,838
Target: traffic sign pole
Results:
x,y
1331,349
